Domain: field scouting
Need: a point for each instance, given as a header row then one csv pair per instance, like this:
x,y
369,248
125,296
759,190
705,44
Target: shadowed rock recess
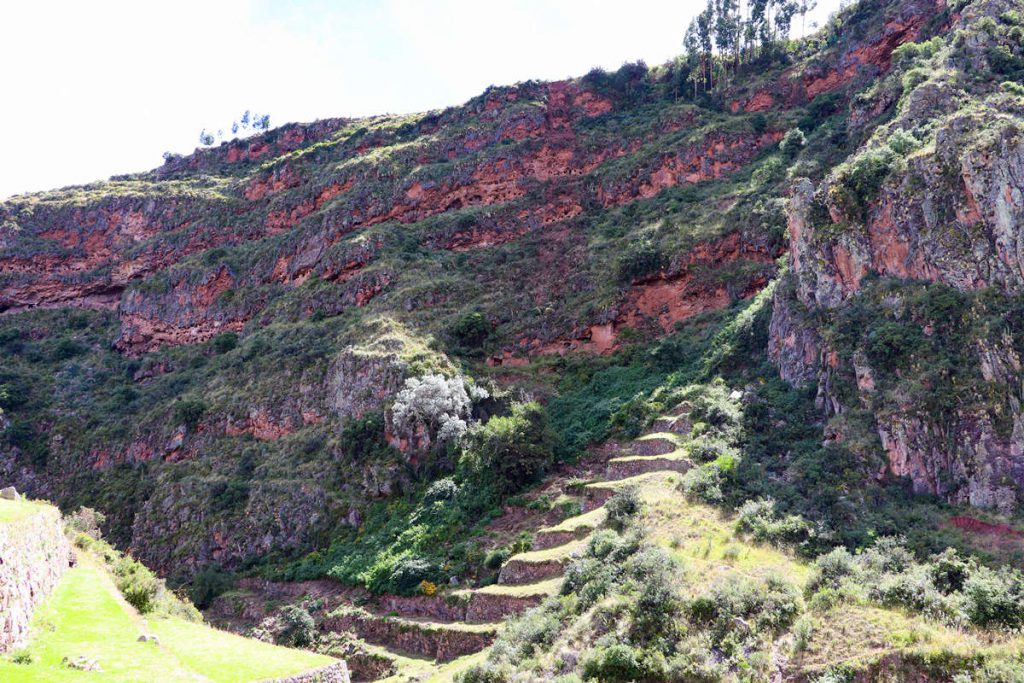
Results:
x,y
463,387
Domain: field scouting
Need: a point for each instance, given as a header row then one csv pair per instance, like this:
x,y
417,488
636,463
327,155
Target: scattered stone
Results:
x,y
735,395
9,493
454,581
148,639
81,663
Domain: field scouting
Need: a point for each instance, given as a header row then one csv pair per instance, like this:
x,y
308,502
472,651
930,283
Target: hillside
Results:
x,y
392,370
87,618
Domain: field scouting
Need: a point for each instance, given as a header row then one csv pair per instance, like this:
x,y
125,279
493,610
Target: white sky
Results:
x,y
92,88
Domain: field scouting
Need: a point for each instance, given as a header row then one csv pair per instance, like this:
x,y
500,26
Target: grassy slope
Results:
x,y
87,616
13,510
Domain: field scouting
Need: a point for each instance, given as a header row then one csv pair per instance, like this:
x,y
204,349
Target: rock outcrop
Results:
x,y
936,196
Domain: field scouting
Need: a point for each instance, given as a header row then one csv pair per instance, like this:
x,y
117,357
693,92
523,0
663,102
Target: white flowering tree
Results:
x,y
437,404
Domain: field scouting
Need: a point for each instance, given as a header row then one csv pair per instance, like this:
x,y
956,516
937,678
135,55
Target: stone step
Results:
x,y
489,607
441,608
537,565
495,602
368,663
631,466
438,641
656,443
676,424
595,496
568,530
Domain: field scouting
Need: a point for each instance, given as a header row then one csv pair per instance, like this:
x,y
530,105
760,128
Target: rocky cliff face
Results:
x,y
245,305
35,554
936,196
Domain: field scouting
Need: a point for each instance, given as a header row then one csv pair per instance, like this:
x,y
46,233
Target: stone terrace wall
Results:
x,y
34,554
332,673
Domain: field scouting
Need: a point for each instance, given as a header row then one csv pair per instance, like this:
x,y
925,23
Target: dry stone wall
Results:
x,y
332,673
34,554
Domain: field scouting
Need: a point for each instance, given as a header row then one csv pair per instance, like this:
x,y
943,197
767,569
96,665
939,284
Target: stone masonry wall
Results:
x,y
34,554
332,673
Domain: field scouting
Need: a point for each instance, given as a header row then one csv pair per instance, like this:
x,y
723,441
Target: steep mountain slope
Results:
x,y
345,349
575,215
934,197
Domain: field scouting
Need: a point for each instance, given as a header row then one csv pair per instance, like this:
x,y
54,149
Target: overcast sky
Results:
x,y
93,88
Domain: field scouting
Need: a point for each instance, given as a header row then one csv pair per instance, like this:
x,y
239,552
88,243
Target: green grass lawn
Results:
x,y
13,510
86,615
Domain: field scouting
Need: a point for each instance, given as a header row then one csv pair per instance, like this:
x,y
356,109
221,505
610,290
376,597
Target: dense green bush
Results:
x,y
509,452
995,597
189,411
760,520
297,628
408,573
363,438
139,586
469,331
858,183
792,142
208,584
486,672
947,587
621,662
623,507
640,260
224,342
772,606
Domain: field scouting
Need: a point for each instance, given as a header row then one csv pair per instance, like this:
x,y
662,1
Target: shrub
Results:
x,y
803,629
640,260
189,411
830,570
408,573
297,628
889,341
623,507
225,341
657,604
363,439
888,554
21,656
792,142
910,589
435,402
771,606
949,571
497,557
768,172
442,490
859,182
995,598
486,672
510,451
67,348
603,543
532,630
86,521
140,588
633,416
709,450
207,585
902,142
470,331
694,662
704,483
617,662
1012,88
760,520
